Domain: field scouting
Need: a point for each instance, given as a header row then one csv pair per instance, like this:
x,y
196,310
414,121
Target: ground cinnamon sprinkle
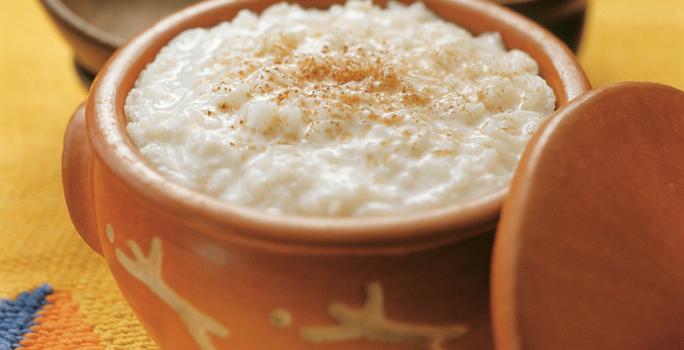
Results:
x,y
355,110
353,76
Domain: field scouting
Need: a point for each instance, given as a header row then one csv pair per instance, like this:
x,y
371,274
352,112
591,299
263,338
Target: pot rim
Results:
x,y
105,121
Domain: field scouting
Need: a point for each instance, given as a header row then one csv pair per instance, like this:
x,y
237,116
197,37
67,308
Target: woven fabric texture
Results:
x,y
17,316
44,319
624,40
59,325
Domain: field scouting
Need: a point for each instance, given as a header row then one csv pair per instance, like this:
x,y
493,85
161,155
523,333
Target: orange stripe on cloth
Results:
x,y
60,326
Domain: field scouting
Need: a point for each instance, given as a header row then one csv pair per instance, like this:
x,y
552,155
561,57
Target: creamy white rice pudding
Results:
x,y
352,111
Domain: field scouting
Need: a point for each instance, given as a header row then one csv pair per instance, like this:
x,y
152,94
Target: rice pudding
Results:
x,y
352,111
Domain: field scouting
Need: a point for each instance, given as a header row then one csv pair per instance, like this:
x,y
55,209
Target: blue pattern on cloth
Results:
x,y
16,315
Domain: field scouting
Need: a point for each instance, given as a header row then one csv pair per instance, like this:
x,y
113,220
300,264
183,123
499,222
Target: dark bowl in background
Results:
x,y
565,18
96,28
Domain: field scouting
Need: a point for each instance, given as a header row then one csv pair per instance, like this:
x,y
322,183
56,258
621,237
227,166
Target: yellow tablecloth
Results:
x,y
624,40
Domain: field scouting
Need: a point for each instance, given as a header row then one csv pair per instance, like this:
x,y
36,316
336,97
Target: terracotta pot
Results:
x,y
201,273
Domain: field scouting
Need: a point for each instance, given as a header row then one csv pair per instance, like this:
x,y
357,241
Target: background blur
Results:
x,y
624,40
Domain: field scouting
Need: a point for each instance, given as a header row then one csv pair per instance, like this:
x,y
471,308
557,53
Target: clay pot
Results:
x,y
200,273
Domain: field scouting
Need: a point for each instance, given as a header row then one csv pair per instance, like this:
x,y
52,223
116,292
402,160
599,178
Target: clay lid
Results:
x,y
590,249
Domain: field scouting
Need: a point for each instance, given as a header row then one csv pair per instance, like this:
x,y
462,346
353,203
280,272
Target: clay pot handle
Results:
x,y
77,161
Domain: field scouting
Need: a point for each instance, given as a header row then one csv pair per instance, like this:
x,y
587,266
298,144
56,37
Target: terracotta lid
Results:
x,y
590,249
